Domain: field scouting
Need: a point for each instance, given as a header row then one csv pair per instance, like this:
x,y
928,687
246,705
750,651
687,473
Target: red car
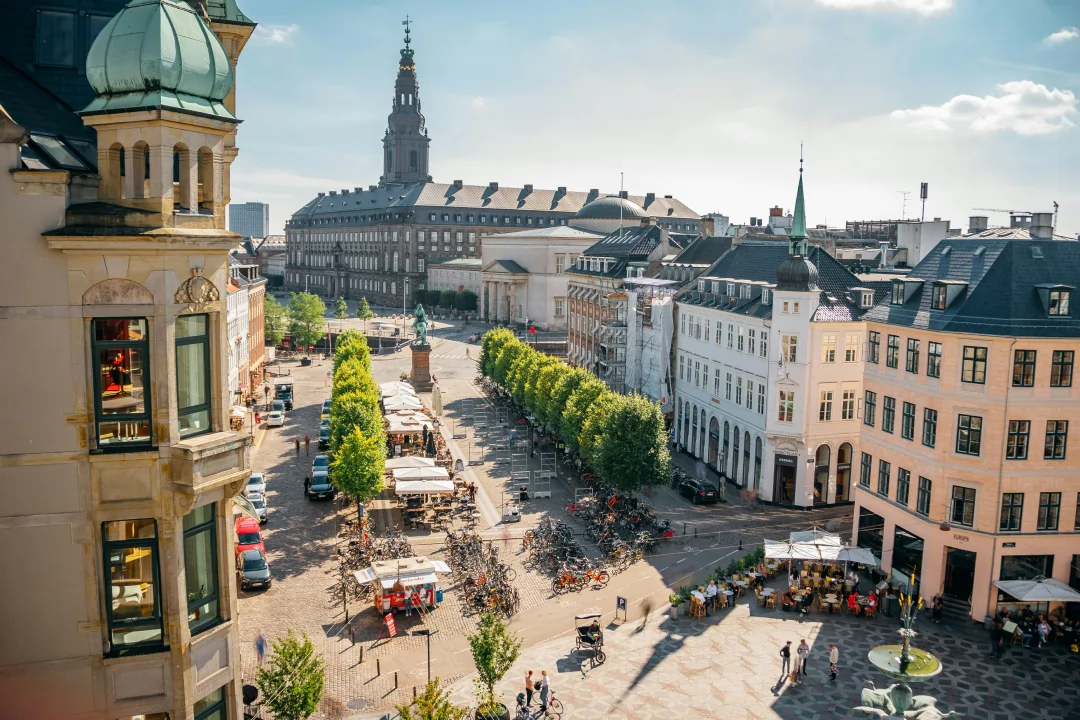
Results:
x,y
248,536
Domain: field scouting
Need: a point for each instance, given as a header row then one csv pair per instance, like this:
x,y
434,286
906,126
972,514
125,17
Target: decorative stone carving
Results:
x,y
117,291
196,292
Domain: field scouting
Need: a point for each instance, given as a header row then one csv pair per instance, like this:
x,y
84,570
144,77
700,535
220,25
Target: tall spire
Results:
x,y
405,145
798,222
797,273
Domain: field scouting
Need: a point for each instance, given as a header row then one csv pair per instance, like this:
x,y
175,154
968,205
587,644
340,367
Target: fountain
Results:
x,y
906,665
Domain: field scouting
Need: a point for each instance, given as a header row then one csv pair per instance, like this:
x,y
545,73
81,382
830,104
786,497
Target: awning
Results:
x,y
421,473
817,537
407,422
402,402
365,576
424,487
396,387
857,555
410,580
245,507
1038,589
412,461
238,411
784,550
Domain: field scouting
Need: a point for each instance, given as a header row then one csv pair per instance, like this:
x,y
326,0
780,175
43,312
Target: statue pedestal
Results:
x,y
420,374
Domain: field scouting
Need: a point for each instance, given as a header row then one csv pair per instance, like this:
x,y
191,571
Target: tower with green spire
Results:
x,y
797,273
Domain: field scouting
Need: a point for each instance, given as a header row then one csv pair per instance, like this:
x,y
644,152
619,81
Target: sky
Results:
x,y
708,101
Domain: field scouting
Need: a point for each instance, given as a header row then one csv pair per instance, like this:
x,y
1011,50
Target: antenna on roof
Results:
x,y
620,205
800,158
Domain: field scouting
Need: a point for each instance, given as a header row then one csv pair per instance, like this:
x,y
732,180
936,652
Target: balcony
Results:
x,y
207,462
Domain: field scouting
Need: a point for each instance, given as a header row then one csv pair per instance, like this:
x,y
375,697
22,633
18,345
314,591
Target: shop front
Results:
x,y
786,469
907,560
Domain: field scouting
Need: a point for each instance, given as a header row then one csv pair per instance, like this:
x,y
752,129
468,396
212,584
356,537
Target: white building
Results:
x,y
459,274
523,275
769,369
237,332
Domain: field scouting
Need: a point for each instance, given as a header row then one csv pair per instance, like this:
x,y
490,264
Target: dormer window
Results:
x,y
866,299
765,296
940,298
898,293
731,288
716,286
701,285
744,292
1059,302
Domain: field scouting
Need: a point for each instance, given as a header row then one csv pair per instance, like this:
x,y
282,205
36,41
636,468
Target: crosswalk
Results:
x,y
452,356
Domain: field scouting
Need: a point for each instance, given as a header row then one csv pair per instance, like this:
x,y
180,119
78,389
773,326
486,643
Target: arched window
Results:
x,y
114,172
388,161
843,472
140,154
701,444
395,261
735,456
714,443
757,464
693,433
725,453
412,159
393,288
746,460
207,188
821,473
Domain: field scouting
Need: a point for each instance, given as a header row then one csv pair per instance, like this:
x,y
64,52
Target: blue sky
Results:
x,y
707,101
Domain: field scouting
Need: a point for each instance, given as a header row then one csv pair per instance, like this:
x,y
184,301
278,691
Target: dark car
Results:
x,y
321,462
698,491
252,570
318,486
324,438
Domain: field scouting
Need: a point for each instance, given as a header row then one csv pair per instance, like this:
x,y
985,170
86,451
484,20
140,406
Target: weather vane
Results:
x,y
406,22
800,158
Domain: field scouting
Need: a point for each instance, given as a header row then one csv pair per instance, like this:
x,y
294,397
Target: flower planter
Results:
x,y
674,612
503,714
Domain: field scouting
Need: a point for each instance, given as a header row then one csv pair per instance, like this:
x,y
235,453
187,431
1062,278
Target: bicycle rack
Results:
x,y
541,485
460,430
502,417
582,493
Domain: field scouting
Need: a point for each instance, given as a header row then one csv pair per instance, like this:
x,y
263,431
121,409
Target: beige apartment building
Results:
x,y
966,471
117,466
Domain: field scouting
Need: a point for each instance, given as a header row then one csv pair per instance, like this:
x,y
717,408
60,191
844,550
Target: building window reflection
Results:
x,y
211,707
131,568
120,349
193,374
201,568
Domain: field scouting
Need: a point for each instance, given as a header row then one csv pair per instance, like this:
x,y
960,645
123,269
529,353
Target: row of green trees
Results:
x,y
357,436
465,300
304,317
621,437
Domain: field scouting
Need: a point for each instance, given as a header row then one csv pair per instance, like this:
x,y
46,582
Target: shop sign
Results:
x,y
961,538
1008,544
787,460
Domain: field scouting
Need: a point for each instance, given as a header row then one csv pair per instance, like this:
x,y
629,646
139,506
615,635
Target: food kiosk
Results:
x,y
393,580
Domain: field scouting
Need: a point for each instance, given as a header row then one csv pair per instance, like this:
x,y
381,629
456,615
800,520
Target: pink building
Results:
x,y
965,472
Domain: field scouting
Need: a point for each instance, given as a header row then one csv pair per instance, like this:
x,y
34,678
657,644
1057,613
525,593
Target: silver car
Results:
x,y
258,501
256,485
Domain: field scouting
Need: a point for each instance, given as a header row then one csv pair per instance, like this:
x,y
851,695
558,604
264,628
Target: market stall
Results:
x,y
396,387
403,583
397,403
424,487
412,461
422,473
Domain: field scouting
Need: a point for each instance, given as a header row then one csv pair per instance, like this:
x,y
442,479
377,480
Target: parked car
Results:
x,y
318,486
324,438
321,462
259,503
276,417
248,536
324,423
252,570
256,485
326,406
698,491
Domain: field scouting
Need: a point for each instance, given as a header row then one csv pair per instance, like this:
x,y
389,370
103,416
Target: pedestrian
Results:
x,y
804,656
307,446
408,604
997,640
261,643
834,658
528,688
545,690
297,447
937,608
785,658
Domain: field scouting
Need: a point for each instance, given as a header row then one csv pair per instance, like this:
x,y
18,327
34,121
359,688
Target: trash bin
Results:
x,y
438,595
887,603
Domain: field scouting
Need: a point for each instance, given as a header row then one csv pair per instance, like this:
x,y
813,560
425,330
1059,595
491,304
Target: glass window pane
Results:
x,y
119,330
200,571
211,707
130,530
56,38
199,516
190,326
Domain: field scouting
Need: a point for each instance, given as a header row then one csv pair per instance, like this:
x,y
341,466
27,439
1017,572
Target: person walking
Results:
x,y
804,656
545,690
261,643
307,446
834,658
997,640
785,658
528,688
297,447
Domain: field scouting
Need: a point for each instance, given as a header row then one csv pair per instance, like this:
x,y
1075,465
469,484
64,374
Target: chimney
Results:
x,y
528,189
624,194
593,194
708,226
458,184
358,190
776,212
753,222
883,261
493,186
1042,225
1019,220
333,193
372,188
561,190
322,194
977,223
649,199
344,191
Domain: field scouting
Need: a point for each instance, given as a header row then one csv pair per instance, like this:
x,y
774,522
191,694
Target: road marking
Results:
x,y
262,434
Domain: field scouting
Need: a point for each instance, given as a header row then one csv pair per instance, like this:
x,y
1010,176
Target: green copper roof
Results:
x,y
798,222
158,54
227,11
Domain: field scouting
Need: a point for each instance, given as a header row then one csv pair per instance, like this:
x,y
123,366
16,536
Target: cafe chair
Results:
x,y
770,602
697,608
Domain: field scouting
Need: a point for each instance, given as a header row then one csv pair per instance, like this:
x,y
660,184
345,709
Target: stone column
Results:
x,y
498,302
483,300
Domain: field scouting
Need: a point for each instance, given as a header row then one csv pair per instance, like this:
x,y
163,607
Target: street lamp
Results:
x,y
426,632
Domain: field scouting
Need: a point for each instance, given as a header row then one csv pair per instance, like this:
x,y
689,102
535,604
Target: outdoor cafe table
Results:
x,y
768,591
741,583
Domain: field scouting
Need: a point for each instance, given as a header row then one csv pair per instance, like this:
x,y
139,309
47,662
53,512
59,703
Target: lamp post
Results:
x,y
427,632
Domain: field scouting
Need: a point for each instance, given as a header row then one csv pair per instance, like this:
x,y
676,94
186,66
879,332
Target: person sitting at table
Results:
x,y
787,602
1043,629
807,601
853,603
710,593
1026,614
871,602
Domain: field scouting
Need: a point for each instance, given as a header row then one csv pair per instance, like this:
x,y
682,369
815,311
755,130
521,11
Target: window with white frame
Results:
x,y
741,342
749,394
786,405
851,348
705,376
828,349
716,382
751,341
761,398
789,348
738,391
727,387
558,307
825,408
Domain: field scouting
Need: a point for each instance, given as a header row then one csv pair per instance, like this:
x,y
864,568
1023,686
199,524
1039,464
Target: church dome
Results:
x,y
607,208
796,274
158,54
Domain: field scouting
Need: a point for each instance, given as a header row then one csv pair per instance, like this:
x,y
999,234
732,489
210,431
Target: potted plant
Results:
x,y
676,600
494,651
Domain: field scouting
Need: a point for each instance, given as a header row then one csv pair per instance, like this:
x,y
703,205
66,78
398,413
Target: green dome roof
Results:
x,y
158,54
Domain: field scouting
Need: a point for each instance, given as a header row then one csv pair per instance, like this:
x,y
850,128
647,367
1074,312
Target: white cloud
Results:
x,y
921,7
1065,34
276,34
1023,107
479,103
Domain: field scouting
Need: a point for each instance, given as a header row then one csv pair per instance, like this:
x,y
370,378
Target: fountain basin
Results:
x,y
920,666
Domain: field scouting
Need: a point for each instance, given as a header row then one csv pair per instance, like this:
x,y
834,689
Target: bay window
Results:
x,y
132,603
120,350
201,568
193,374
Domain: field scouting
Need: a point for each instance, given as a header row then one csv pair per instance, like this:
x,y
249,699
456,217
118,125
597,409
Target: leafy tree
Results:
x,y
351,377
466,301
632,450
292,680
494,651
363,311
563,389
431,298
520,372
507,355
446,299
544,386
432,704
341,310
490,345
352,345
274,320
532,383
307,322
350,411
358,465
577,409
595,426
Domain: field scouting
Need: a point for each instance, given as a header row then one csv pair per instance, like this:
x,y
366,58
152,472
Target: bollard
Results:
x,y
378,667
413,692
695,532
361,654
395,680
684,528
740,543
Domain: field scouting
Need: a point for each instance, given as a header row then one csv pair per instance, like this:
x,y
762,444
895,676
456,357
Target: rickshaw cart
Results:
x,y
588,638
394,580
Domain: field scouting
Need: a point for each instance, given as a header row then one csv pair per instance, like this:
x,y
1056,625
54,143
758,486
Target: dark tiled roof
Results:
x,y
703,251
1009,233
757,262
632,243
1001,297
511,266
